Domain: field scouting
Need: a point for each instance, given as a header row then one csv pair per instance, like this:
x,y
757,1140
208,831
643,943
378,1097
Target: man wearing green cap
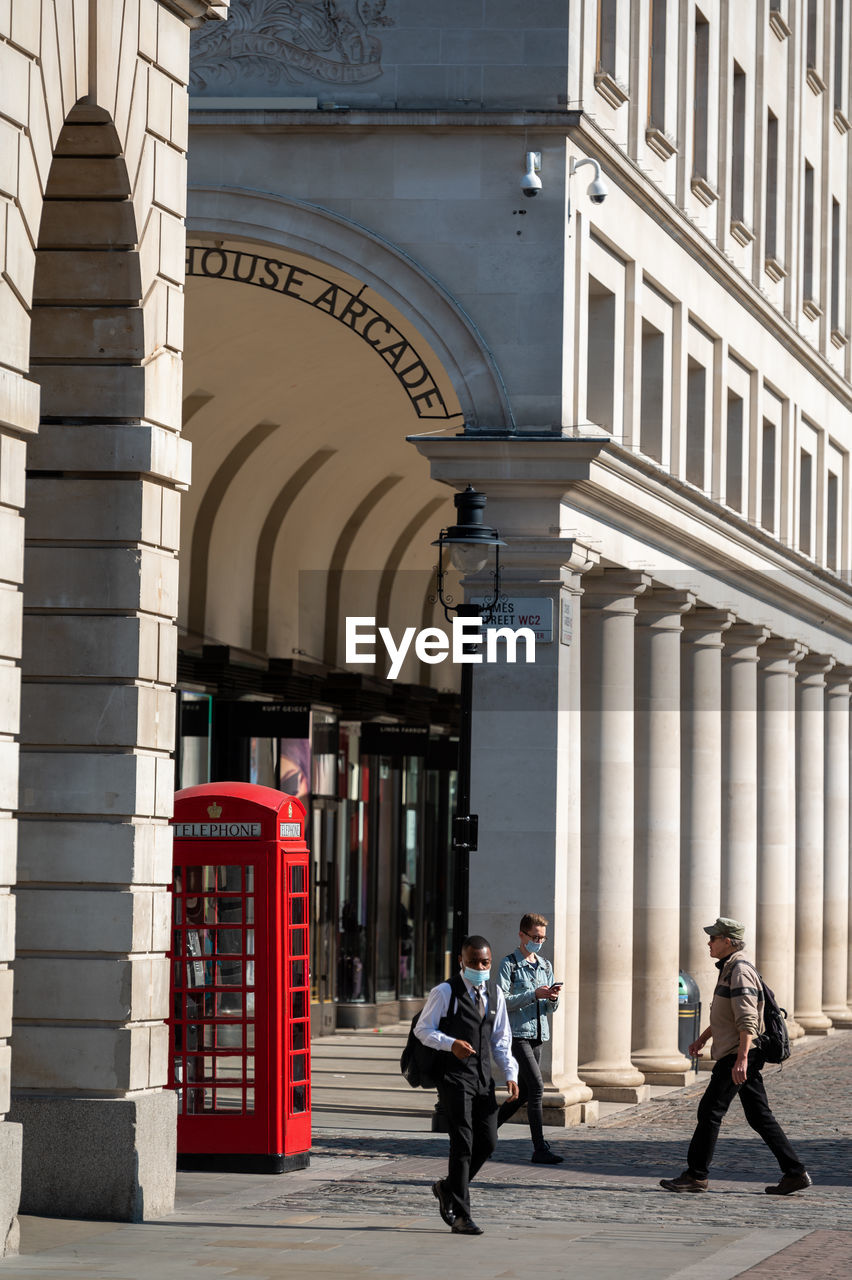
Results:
x,y
736,1018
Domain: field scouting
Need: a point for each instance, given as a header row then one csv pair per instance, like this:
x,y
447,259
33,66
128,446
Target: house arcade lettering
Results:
x,y
349,309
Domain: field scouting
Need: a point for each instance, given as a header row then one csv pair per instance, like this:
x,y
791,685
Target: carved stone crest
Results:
x,y
289,41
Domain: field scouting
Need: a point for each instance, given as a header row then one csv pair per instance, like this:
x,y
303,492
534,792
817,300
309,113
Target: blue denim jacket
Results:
x,y
519,980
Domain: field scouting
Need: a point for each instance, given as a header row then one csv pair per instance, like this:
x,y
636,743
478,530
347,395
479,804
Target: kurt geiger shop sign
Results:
x,y
333,300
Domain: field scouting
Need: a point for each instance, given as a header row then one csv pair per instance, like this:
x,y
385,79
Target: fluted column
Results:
x,y
810,832
739,774
606,917
835,921
701,789
656,915
775,816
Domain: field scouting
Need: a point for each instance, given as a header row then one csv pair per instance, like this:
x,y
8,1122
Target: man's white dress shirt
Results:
x,y
435,1009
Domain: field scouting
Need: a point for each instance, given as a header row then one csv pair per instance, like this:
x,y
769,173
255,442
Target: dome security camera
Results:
x,y
597,189
531,182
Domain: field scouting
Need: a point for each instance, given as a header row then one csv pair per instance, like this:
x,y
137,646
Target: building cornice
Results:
x,y
196,12
598,145
603,480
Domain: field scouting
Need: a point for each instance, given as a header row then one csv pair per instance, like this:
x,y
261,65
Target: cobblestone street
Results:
x,y
364,1209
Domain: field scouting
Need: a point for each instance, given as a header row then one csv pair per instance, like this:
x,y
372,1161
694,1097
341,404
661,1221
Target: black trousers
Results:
x,y
527,1054
718,1096
471,1111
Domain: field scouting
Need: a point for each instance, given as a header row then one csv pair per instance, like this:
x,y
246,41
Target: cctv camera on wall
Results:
x,y
597,190
531,182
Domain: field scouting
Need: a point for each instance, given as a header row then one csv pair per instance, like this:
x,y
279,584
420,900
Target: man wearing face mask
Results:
x,y
466,1019
526,979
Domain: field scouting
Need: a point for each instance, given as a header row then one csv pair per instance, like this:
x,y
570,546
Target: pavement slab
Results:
x,y
364,1209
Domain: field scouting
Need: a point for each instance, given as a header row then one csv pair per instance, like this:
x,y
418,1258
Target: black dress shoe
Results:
x,y
543,1155
789,1183
466,1227
445,1204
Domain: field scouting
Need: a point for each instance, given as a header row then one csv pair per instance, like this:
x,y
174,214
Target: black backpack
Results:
x,y
421,1066
773,1042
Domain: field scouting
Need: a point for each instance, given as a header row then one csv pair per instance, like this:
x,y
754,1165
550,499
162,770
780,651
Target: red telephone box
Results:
x,y
239,1032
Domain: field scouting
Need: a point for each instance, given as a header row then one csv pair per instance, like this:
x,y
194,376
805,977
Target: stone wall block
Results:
x,y
143,184
11,1145
20,256
60,920
10,698
93,510
13,461
88,223
172,45
41,141
161,915
19,402
68,333
8,850
103,1158
8,787
113,648
11,611
155,312
63,277
15,327
10,139
65,988
167,656
83,852
14,84
128,83
149,250
6,977
148,11
80,783
80,176
175,326
152,513
81,47
26,27
170,528
5,1076
159,586
67,55
163,389
30,191
172,263
169,179
7,928
88,577
11,545
159,120
158,1065
180,117
79,391
90,715
145,448
63,1058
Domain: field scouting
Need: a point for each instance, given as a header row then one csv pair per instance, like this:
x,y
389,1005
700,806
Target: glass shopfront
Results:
x,y
380,796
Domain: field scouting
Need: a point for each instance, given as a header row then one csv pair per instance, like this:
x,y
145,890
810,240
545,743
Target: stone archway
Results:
x,y
92,162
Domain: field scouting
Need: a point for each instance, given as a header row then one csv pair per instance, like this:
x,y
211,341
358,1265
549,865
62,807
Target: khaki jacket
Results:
x,y
737,1004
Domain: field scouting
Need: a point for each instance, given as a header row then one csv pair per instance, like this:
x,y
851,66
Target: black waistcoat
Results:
x,y
463,1022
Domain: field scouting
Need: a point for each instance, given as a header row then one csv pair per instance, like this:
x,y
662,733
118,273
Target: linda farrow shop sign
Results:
x,y
333,300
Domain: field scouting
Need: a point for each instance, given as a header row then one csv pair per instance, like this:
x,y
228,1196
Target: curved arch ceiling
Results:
x,y
307,503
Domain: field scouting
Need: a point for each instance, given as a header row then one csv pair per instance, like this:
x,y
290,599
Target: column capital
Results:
x,y
837,681
812,668
527,556
663,608
742,641
705,626
195,12
778,656
615,589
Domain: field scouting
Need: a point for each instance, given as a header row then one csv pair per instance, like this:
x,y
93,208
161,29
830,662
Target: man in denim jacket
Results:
x,y
526,980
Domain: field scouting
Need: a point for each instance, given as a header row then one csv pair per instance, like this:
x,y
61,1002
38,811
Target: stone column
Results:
x,y
775,810
835,921
701,790
606,925
739,775
810,830
656,919
526,717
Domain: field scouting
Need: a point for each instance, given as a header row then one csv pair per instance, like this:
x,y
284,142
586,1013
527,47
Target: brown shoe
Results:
x,y
684,1182
789,1183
